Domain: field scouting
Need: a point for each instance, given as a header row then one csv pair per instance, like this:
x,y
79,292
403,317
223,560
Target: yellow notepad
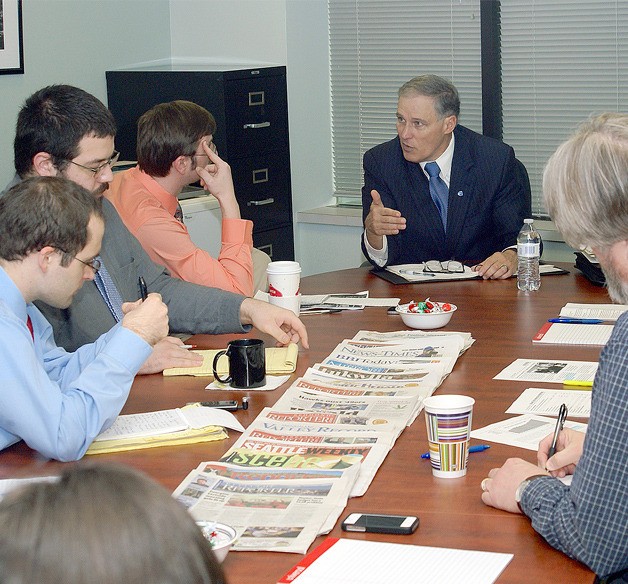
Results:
x,y
279,361
191,436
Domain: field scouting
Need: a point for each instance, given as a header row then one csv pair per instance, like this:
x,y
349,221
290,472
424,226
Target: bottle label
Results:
x,y
528,250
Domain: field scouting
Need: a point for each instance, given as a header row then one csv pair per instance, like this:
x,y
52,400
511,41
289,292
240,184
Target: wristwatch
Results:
x,y
522,486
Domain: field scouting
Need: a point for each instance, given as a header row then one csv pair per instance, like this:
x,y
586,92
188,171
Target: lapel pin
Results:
x,y
460,193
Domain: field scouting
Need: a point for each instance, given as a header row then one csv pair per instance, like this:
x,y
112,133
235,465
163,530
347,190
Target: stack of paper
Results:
x,y
338,421
187,425
368,562
573,334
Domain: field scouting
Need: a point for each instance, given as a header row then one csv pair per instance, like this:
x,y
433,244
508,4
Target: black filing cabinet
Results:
x,y
251,111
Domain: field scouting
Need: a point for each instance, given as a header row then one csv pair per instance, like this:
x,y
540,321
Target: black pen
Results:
x,y
143,288
560,421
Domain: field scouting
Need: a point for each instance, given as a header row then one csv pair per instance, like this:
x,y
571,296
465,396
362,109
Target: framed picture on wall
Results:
x,y
11,52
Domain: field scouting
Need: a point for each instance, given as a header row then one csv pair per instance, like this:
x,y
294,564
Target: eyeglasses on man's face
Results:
x,y
447,267
97,171
94,263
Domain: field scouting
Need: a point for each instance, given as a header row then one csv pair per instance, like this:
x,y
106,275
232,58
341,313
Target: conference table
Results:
x,y
502,320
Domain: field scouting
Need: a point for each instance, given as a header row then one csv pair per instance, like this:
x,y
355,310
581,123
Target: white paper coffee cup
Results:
x,y
283,278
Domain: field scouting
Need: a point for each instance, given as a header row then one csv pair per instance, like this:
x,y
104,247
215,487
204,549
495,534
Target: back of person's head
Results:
x,y
45,211
54,120
170,130
101,525
445,94
585,182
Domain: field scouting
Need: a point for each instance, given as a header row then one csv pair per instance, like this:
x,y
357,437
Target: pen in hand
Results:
x,y
143,288
560,422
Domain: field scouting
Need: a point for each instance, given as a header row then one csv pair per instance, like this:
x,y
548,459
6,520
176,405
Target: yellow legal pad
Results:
x,y
279,361
191,436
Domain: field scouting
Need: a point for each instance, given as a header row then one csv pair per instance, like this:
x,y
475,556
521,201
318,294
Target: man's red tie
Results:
x,y
29,324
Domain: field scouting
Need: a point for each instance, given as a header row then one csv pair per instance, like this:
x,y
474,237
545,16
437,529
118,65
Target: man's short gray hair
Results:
x,y
585,183
444,92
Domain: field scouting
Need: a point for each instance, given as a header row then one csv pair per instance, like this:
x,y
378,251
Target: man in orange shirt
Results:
x,y
175,149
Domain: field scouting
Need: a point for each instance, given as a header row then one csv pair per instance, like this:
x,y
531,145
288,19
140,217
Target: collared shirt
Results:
x,y
147,210
589,520
444,161
58,402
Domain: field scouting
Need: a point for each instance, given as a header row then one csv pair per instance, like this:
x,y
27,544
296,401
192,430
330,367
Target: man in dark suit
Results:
x,y
440,191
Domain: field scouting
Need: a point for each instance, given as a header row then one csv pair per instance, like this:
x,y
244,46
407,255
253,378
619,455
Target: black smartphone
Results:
x,y
372,523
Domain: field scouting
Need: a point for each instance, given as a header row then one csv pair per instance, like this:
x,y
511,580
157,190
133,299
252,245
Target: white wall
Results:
x,y
75,42
273,32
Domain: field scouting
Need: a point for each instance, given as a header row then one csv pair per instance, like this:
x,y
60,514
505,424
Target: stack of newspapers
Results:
x,y
288,477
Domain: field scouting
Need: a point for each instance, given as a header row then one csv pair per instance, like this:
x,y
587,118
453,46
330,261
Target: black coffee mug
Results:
x,y
247,363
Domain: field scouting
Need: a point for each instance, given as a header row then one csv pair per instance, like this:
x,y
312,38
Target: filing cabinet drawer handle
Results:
x,y
256,126
268,201
256,98
260,175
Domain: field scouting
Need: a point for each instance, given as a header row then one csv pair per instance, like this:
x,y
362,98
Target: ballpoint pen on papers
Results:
x,y
560,422
478,448
417,273
566,320
577,383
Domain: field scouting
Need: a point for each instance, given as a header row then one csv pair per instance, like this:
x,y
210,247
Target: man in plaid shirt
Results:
x,y
586,191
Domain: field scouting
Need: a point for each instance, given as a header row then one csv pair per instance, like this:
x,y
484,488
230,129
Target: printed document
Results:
x,y
548,401
601,311
555,371
523,431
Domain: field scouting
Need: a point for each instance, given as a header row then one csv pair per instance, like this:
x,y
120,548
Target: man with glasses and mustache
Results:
x,y
62,130
174,150
585,185
57,402
439,191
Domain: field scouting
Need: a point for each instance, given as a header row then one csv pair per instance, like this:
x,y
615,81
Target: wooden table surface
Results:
x,y
503,322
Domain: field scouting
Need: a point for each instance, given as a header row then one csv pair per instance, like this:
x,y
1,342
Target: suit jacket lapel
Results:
x,y
462,185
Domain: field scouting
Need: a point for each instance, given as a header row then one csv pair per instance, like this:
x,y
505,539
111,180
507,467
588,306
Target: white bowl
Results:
x,y
425,320
220,536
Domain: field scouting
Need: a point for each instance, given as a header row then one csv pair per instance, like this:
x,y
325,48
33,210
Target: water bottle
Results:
x,y
528,255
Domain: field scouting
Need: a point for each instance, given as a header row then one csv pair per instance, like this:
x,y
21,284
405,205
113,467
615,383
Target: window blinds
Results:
x,y
562,60
375,47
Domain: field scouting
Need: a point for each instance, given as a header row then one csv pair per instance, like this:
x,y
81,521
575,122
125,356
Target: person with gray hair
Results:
x,y
101,524
439,191
57,402
585,184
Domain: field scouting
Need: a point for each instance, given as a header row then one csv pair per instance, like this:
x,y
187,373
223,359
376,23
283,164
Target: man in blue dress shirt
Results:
x,y
58,402
586,190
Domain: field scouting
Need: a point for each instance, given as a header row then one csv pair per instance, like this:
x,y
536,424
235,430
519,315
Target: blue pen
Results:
x,y
576,320
478,448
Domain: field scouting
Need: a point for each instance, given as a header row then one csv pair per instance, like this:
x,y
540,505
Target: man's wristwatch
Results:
x,y
522,486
